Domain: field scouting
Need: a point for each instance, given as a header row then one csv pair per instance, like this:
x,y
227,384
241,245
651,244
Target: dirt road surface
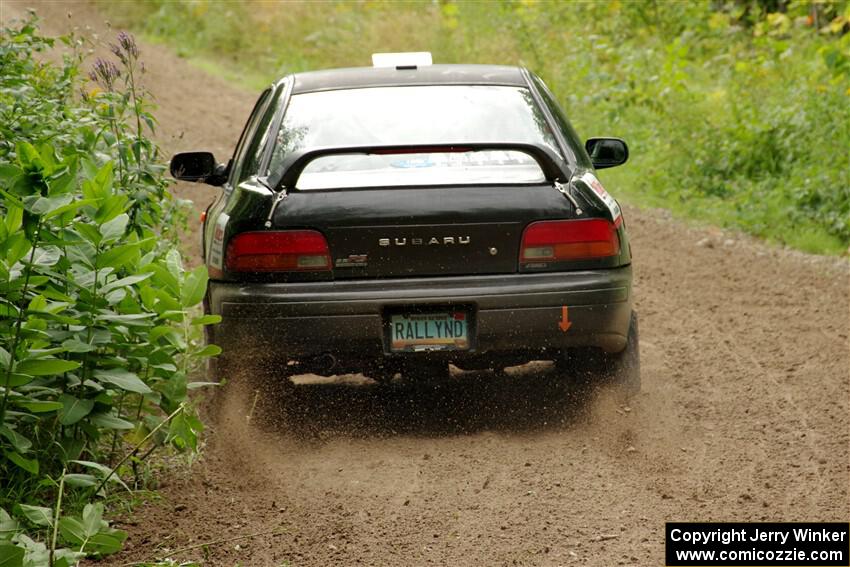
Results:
x,y
743,416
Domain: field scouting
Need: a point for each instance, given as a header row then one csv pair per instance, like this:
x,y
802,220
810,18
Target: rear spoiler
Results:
x,y
550,163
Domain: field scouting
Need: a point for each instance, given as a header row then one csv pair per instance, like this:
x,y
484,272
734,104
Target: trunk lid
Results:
x,y
429,231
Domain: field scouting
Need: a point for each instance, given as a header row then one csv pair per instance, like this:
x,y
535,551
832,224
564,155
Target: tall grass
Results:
x,y
734,114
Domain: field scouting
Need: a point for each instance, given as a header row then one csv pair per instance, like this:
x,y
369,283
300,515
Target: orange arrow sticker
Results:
x,y
564,324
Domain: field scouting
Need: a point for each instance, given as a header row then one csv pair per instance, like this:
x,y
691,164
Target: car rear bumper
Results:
x,y
515,312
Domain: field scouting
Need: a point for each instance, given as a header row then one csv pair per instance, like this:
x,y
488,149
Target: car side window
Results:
x,y
259,136
575,145
242,156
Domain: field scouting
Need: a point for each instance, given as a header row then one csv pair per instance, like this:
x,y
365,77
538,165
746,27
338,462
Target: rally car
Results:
x,y
393,219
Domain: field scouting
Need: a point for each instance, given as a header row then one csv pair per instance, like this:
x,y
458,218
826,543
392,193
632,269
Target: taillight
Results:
x,y
556,241
279,251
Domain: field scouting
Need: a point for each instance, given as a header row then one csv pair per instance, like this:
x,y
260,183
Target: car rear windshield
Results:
x,y
414,115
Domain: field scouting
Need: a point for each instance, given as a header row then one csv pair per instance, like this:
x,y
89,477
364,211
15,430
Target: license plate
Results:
x,y
412,332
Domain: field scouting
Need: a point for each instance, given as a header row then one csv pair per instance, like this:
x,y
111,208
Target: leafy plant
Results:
x,y
97,314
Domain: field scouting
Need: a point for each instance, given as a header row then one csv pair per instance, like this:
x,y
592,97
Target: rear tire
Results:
x,y
620,369
623,368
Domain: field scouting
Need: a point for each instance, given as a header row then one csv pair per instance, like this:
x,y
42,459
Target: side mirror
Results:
x,y
607,152
198,167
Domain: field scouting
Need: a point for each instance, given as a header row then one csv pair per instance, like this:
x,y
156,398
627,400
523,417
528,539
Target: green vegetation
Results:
x,y
97,337
736,112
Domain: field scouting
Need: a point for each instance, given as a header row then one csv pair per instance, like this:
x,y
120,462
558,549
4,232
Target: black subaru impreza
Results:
x,y
394,219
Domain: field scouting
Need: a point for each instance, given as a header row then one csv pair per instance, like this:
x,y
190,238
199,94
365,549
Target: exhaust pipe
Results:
x,y
323,365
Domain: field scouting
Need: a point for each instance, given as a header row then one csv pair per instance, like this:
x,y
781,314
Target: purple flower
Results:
x,y
116,51
128,44
126,49
104,73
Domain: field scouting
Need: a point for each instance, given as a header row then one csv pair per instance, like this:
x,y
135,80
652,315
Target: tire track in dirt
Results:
x,y
744,416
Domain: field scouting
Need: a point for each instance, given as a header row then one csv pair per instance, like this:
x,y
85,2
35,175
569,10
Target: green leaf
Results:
x,y
8,526
38,303
207,320
46,367
89,232
29,465
14,217
17,246
71,207
167,303
106,543
209,350
118,256
71,448
27,155
18,441
162,278
103,179
115,228
98,186
75,345
11,198
73,409
174,263
38,406
183,431
16,380
176,315
11,556
46,256
130,320
109,421
104,472
194,287
173,390
122,379
115,297
110,208
9,173
160,331
81,480
73,531
149,120
5,358
196,385
92,517
48,156
96,466
8,310
125,282
47,205
66,182
38,515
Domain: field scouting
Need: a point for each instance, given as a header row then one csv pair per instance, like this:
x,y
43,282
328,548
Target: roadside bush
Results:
x,y
97,334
